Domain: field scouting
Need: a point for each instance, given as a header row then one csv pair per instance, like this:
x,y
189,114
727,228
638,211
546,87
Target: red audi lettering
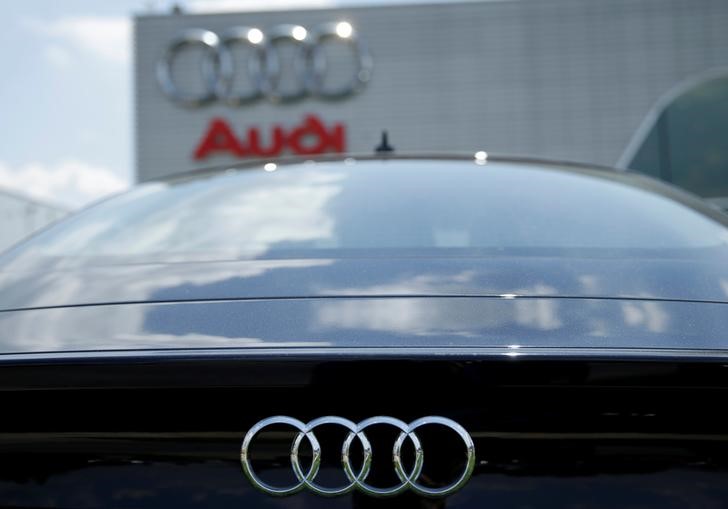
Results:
x,y
219,138
309,138
312,138
275,147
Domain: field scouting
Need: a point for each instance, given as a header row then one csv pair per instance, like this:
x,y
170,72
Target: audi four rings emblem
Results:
x,y
264,67
409,480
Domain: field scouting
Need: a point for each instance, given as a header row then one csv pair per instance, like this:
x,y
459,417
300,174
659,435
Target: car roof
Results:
x,y
388,157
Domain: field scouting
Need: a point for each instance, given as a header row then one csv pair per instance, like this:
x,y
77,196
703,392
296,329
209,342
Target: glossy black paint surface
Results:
x,y
548,434
667,245
516,325
588,378
671,294
701,276
390,205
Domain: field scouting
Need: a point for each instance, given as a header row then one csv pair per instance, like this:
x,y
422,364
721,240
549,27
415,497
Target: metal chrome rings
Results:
x,y
409,480
264,64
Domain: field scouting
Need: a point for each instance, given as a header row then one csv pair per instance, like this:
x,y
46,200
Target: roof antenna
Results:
x,y
384,147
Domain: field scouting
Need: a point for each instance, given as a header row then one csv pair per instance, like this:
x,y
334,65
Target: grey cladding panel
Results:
x,y
567,79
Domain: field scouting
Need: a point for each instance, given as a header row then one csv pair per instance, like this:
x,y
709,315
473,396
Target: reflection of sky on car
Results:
x,y
385,205
51,283
452,322
197,216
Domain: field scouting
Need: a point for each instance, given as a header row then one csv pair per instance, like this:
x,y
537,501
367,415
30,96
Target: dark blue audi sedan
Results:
x,y
371,332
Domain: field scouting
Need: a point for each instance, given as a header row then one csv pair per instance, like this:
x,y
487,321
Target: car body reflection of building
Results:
x,y
21,216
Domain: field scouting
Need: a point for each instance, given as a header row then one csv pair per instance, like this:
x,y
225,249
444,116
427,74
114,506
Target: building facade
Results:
x,y
21,216
562,79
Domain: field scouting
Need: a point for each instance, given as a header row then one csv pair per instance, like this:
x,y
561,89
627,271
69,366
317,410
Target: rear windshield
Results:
x,y
429,207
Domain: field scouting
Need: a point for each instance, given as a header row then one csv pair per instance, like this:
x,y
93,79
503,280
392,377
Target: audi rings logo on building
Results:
x,y
409,479
265,64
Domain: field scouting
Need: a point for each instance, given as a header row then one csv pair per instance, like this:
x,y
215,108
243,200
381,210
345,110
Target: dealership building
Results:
x,y
638,83
20,216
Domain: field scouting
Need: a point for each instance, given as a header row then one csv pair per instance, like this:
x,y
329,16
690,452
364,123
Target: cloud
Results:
x,y
104,38
210,6
57,56
72,183
648,315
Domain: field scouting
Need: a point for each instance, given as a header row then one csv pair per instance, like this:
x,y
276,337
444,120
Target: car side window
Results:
x,y
686,142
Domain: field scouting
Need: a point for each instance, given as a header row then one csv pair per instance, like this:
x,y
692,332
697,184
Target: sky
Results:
x,y
66,92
